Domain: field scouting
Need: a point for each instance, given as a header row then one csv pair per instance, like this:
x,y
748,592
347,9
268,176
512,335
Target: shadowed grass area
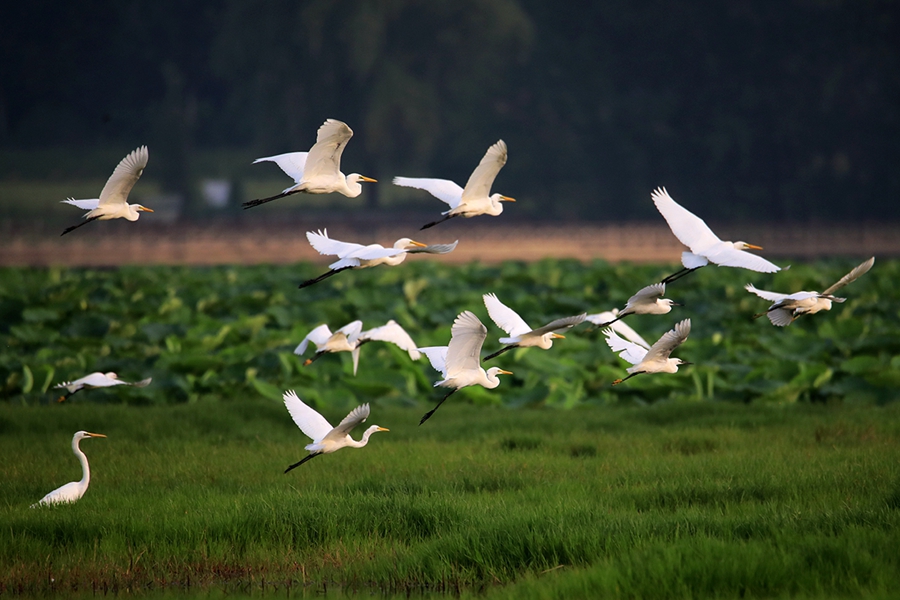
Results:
x,y
670,500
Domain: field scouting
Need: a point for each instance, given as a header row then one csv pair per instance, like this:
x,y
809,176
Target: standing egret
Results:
x,y
97,380
705,246
459,362
609,318
72,492
788,307
521,334
647,301
473,200
357,256
350,337
112,201
325,438
654,359
319,170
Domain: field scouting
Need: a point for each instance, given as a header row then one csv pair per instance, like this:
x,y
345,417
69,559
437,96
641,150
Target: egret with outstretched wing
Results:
x,y
654,359
647,301
319,170
476,198
97,380
325,438
521,335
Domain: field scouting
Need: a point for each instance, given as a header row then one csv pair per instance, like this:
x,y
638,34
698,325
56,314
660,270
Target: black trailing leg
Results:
x,y
431,412
322,276
678,275
441,220
297,464
314,358
499,352
618,381
74,227
252,203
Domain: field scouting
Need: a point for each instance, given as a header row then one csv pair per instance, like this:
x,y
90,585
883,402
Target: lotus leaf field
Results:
x,y
768,468
228,333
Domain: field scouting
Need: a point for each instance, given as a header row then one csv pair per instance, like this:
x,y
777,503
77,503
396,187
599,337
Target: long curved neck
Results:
x,y
352,186
395,260
492,380
85,468
363,441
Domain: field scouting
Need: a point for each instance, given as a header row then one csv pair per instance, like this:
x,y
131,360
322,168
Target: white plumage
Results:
x,y
97,380
325,438
476,198
319,170
521,335
647,301
350,337
654,359
73,491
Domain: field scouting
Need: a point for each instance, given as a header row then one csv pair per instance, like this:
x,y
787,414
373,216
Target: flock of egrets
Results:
x,y
318,172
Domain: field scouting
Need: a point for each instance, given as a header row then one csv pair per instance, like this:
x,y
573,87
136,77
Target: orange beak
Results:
x,y
369,179
507,199
752,247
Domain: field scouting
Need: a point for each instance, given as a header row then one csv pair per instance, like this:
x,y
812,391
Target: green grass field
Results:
x,y
769,468
666,501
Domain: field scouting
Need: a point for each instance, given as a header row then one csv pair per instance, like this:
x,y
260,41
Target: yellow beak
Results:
x,y
418,244
505,372
144,209
507,199
383,429
752,247
557,336
96,435
369,179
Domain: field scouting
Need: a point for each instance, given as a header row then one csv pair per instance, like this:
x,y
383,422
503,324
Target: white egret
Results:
x,y
350,337
97,380
72,492
647,301
473,200
459,362
654,359
788,307
705,245
609,318
319,170
325,438
357,256
521,335
112,201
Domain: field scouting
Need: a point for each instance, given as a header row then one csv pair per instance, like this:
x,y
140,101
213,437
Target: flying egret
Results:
x,y
97,380
705,246
654,359
357,256
325,438
521,334
459,362
319,170
350,337
72,492
788,307
620,327
112,201
647,301
476,199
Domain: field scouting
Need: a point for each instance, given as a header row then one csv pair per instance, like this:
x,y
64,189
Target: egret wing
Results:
x,y
325,245
99,380
776,297
467,337
558,324
392,332
669,341
292,163
442,189
83,204
324,157
627,350
318,336
619,326
437,356
308,420
351,330
647,294
123,178
691,230
482,178
781,317
356,416
434,248
729,256
850,277
504,317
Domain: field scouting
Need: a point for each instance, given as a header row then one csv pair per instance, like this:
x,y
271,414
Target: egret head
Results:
x,y
141,208
111,375
496,207
371,430
494,371
354,188
87,434
746,246
681,363
404,243
667,304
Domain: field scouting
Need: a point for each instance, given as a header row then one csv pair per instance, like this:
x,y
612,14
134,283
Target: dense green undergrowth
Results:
x,y
667,501
229,332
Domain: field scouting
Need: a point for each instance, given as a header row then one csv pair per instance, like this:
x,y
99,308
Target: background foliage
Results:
x,y
783,111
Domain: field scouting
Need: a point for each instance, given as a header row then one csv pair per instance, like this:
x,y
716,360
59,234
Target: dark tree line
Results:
x,y
784,110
